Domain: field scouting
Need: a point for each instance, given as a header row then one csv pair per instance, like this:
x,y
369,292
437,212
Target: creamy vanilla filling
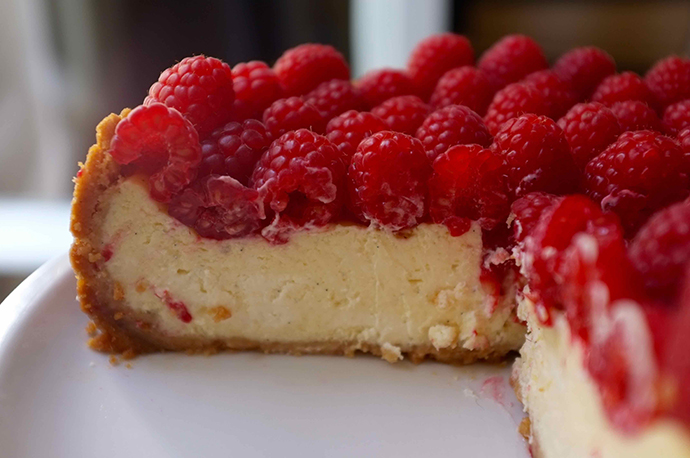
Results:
x,y
345,283
567,417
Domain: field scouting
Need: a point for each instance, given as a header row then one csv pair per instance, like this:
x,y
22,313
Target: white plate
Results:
x,y
60,399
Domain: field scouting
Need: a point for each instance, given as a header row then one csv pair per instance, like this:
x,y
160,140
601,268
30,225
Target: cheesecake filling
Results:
x,y
343,283
566,413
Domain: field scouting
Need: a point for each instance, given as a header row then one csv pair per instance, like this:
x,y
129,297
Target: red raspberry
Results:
x,y
463,86
403,114
511,59
661,249
635,115
350,128
466,185
256,88
387,180
557,95
584,68
537,156
669,80
434,56
301,178
234,149
200,88
621,87
162,143
511,101
292,113
677,117
380,85
527,210
589,128
452,125
333,98
640,173
675,361
304,67
218,207
684,140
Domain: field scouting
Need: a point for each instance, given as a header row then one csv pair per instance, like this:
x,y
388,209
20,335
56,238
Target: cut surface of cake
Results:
x,y
446,211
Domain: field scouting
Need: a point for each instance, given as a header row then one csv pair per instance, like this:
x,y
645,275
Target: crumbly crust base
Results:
x,y
120,330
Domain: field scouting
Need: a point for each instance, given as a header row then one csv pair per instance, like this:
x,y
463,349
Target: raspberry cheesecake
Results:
x,y
447,210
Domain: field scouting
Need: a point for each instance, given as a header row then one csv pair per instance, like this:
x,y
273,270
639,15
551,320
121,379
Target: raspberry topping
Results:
x,y
333,98
256,88
661,248
452,125
218,207
292,113
463,86
584,68
234,149
387,180
304,67
527,210
557,95
434,56
675,359
537,156
684,140
669,80
159,141
466,185
621,87
199,87
350,128
514,100
378,86
635,115
511,59
403,114
299,177
640,173
677,117
589,128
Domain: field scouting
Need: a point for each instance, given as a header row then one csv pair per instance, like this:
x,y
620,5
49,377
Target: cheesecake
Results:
x,y
272,209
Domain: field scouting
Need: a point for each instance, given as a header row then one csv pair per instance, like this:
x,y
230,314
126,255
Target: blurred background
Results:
x,y
68,63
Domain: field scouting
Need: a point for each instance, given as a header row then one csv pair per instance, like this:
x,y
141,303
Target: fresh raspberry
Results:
x,y
466,185
378,86
161,142
684,140
511,59
677,117
527,210
292,113
304,67
463,86
661,249
511,101
403,114
635,115
350,128
333,98
452,125
218,207
387,180
584,68
256,88
434,56
200,88
640,173
300,177
622,87
537,156
669,80
589,128
234,149
557,95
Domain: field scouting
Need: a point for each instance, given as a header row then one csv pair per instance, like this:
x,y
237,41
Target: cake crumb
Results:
x,y
113,360
128,365
525,428
220,313
118,316
129,354
391,353
91,329
118,291
141,286
443,336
